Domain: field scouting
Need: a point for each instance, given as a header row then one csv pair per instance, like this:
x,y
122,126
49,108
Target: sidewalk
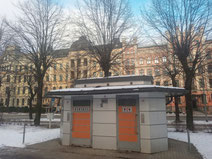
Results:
x,y
53,150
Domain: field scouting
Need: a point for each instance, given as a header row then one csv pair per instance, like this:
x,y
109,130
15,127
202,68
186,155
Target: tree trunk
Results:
x,y
30,109
177,112
39,103
106,72
189,106
8,101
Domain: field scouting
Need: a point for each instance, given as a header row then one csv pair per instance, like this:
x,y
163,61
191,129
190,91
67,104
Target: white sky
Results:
x,y
8,9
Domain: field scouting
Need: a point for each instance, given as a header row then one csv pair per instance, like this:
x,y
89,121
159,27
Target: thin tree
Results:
x,y
102,23
39,30
184,24
171,69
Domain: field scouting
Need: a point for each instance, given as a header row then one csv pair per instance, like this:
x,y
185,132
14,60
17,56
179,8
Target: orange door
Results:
x,y
127,124
81,122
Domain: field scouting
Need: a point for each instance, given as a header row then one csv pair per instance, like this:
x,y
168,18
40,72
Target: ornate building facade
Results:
x,y
74,63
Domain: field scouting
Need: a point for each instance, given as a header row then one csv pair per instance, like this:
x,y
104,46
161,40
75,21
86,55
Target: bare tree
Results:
x,y
184,24
102,23
172,69
39,30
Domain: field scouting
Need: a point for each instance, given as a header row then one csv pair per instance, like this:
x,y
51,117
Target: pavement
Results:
x,y
53,150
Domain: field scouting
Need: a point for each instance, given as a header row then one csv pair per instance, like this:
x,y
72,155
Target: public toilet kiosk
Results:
x,y
119,113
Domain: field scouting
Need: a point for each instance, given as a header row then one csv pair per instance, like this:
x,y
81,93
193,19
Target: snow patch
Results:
x,y
202,141
12,135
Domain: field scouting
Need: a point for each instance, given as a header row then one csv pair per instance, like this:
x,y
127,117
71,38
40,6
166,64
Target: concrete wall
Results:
x,y
152,116
66,121
125,83
104,122
153,127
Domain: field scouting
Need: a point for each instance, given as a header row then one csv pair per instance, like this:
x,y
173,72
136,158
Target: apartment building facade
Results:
x,y
74,63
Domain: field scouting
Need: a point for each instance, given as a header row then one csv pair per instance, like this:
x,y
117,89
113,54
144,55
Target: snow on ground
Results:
x,y
201,140
197,122
12,135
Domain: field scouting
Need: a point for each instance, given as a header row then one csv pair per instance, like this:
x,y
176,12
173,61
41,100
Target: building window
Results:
x,y
24,89
210,81
61,78
15,77
94,74
72,75
60,87
157,72
61,66
17,102
157,83
133,62
94,64
78,62
67,66
85,72
66,77
19,79
16,68
127,62
7,90
72,63
20,68
149,72
165,72
47,77
22,102
156,60
54,88
208,55
204,99
148,60
26,68
85,63
177,83
30,67
55,78
164,59
19,89
55,66
45,90
209,68
8,78
141,61
201,83
165,83
25,78
142,72
14,90
200,69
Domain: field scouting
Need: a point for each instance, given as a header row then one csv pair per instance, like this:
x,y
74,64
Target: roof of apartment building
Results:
x,y
83,44
61,53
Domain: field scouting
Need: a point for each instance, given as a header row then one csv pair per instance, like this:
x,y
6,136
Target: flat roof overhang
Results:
x,y
171,91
